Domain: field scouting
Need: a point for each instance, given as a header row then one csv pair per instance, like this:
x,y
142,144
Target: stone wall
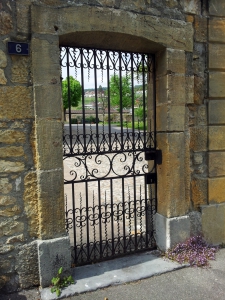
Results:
x,y
213,215
18,177
187,37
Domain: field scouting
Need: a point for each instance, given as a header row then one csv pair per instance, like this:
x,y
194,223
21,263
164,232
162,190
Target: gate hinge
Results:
x,y
154,154
150,178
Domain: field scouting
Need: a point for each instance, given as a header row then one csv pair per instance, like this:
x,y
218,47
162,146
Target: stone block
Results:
x,y
3,124
216,137
47,70
199,89
202,115
200,26
176,90
15,239
3,59
20,69
171,231
11,151
47,98
3,79
216,164
195,223
198,139
11,227
176,118
170,118
17,102
133,5
199,59
27,265
10,211
5,265
172,34
216,112
3,280
217,8
199,192
51,204
5,186
49,149
161,90
161,117
6,23
172,200
33,143
170,61
7,166
213,223
216,30
190,18
23,16
189,89
216,84
197,158
216,56
30,198
191,6
216,190
6,200
192,115
53,254
6,249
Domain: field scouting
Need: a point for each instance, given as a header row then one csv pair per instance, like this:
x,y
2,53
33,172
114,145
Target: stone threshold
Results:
x,y
114,272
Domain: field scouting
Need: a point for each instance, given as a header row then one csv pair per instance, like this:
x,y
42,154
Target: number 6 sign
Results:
x,y
18,48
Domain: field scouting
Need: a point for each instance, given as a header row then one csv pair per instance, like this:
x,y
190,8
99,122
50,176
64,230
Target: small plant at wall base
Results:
x,y
194,251
60,282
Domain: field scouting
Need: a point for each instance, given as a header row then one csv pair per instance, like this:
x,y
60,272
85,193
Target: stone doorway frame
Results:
x,y
92,26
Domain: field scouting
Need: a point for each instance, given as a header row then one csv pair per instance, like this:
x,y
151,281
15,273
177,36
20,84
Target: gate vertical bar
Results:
x,y
96,98
109,105
83,104
112,216
100,216
69,99
121,100
87,222
154,117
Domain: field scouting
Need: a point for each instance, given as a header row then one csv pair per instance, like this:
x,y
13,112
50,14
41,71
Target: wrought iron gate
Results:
x,y
109,152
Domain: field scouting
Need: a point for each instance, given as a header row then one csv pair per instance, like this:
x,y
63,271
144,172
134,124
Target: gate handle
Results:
x,y
154,154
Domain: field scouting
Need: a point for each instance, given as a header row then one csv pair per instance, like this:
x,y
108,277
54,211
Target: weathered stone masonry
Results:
x,y
188,38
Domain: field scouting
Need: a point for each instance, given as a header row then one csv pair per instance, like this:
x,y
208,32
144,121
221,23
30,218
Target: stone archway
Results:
x,y
89,26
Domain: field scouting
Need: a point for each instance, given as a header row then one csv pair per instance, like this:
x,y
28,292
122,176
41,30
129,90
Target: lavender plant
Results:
x,y
194,251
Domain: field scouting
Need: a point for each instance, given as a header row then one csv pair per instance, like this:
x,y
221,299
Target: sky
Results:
x,y
89,80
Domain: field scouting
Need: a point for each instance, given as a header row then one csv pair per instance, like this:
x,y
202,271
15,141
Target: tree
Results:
x,y
116,83
100,91
139,113
75,92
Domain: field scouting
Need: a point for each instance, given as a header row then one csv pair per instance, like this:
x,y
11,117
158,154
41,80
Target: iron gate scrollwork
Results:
x,y
110,188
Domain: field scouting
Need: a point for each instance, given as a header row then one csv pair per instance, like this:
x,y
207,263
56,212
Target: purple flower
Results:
x,y
194,251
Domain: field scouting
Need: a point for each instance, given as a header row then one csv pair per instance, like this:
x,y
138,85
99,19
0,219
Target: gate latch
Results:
x,y
154,154
150,178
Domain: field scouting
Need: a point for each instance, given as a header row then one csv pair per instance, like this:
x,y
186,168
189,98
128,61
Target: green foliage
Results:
x,y
60,282
120,87
90,120
75,92
139,113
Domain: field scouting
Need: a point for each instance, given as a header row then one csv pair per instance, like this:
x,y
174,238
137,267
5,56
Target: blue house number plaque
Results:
x,y
18,48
